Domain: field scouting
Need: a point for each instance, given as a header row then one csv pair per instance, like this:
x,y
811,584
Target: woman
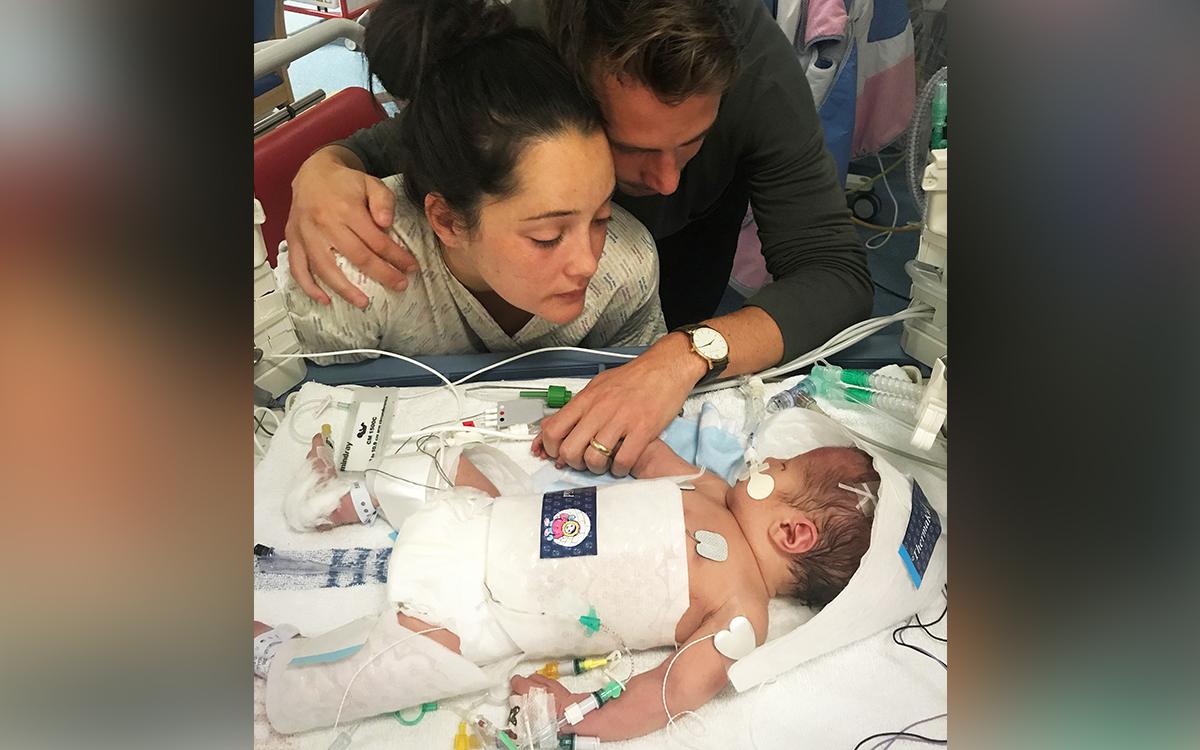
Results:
x,y
504,201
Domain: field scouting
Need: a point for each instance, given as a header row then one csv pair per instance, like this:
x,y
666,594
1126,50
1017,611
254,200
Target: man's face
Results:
x,y
651,141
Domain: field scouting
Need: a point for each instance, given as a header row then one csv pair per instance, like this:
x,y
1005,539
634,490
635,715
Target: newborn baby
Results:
x,y
622,550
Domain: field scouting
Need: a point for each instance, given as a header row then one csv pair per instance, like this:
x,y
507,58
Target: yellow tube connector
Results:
x,y
556,669
465,741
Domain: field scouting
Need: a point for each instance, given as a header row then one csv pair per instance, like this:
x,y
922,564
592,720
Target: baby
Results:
x,y
803,538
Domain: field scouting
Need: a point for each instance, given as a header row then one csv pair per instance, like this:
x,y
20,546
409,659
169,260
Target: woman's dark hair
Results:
x,y
479,89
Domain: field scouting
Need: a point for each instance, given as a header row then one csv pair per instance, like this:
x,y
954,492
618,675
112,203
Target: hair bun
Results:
x,y
407,39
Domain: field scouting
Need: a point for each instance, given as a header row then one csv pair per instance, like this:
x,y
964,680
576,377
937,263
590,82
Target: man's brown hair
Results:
x,y
678,48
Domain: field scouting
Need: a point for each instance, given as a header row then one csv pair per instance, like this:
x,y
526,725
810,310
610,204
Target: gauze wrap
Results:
x,y
637,580
417,671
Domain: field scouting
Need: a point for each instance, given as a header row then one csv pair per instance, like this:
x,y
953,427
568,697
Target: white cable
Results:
x,y
523,355
840,341
671,719
895,210
380,353
374,656
462,428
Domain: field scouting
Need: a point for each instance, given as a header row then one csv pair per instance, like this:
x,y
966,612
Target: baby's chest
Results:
x,y
718,556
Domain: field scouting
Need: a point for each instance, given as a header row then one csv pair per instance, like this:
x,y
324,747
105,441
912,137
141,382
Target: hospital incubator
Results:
x,y
925,339
273,329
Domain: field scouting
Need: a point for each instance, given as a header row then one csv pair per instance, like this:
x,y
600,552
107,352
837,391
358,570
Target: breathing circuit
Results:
x,y
801,394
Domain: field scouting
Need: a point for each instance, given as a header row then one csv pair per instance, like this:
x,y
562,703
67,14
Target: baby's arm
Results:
x,y
698,674
658,460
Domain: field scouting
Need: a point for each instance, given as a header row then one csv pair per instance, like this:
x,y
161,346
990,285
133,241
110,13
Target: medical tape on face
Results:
x,y
867,499
360,498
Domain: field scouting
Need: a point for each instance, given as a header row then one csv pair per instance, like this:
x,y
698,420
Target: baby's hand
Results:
x,y
537,449
562,697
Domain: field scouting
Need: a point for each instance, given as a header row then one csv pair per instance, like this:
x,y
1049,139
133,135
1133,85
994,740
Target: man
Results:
x,y
706,109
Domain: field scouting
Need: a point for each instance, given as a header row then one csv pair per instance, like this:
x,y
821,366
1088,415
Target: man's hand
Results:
x,y
337,207
623,409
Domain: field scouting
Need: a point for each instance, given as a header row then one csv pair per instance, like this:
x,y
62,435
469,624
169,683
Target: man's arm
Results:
x,y
821,281
337,204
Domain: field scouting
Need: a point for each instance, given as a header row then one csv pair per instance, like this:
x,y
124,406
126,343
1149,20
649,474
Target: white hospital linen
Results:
x,y
436,314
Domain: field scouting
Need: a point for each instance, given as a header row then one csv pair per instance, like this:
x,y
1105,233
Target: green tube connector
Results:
x,y
425,709
608,692
556,396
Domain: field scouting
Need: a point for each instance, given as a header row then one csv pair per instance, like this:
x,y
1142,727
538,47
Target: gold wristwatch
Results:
x,y
711,346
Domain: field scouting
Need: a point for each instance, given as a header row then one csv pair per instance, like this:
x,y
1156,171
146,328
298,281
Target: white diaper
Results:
x,y
515,574
418,670
436,572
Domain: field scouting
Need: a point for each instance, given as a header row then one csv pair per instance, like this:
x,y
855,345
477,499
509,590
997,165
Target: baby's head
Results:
x,y
812,532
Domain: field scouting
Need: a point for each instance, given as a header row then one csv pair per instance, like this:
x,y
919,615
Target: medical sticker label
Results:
x,y
569,523
363,432
924,529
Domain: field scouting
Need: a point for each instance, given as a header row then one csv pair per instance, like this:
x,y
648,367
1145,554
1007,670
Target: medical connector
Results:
x,y
554,669
465,740
590,621
555,396
866,379
424,709
578,742
344,738
574,713
799,395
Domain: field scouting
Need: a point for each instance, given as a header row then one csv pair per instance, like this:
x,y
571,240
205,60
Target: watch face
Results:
x,y
710,343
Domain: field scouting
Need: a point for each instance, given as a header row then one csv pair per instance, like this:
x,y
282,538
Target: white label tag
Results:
x,y
363,506
363,433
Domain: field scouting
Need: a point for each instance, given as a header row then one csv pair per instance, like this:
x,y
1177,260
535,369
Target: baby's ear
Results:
x,y
794,534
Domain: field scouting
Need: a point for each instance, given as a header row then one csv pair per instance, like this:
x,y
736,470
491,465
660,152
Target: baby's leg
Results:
x,y
444,637
465,475
393,669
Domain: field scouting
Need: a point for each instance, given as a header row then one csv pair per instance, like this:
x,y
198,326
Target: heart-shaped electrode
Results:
x,y
711,546
737,640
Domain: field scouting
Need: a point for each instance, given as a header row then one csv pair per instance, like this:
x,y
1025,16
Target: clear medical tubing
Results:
x,y
865,379
801,394
918,138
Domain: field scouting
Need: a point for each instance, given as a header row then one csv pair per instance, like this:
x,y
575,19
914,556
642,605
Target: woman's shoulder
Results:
x,y
409,223
629,250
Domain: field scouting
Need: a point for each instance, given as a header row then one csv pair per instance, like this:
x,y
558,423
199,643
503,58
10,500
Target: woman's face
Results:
x,y
539,247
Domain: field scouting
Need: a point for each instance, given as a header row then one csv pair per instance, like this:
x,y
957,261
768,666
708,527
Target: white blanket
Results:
x,y
830,702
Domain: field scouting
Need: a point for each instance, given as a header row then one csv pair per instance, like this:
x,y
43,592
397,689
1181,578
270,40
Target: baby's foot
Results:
x,y
266,642
322,501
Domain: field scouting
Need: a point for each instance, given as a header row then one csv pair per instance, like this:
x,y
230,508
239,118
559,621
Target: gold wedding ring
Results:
x,y
600,448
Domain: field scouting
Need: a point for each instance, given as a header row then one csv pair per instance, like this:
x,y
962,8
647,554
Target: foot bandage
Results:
x,y
394,669
266,644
